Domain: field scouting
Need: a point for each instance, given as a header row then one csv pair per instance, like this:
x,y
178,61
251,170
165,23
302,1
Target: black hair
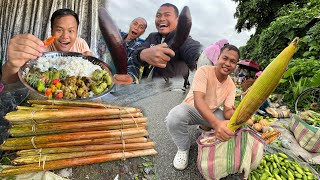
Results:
x,y
231,47
142,19
63,12
174,7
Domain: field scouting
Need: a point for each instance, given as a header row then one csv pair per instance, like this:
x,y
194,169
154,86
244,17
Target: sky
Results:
x,y
212,20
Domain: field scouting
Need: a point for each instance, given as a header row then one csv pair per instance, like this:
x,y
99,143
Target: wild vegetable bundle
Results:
x,y
56,134
310,117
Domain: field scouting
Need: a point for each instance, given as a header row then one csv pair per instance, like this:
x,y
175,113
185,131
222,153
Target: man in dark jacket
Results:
x,y
154,52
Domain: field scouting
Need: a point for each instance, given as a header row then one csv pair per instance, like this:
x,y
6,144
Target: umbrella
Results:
x,y
249,64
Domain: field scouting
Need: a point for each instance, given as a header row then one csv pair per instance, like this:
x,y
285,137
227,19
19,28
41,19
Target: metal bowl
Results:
x,y
37,95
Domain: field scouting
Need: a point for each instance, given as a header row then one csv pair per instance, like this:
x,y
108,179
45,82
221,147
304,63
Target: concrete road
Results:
x,y
156,99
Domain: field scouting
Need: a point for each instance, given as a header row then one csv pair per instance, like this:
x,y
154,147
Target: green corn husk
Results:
x,y
262,87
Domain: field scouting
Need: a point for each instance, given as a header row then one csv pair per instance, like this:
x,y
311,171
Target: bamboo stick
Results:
x,y
114,116
73,103
32,152
45,107
35,140
64,114
27,108
79,161
76,125
51,157
72,152
59,131
136,138
50,128
49,107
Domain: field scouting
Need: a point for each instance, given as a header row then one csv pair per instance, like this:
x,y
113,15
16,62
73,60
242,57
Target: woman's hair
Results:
x,y
63,12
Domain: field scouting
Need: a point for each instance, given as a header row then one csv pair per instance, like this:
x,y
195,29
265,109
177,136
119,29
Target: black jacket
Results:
x,y
186,57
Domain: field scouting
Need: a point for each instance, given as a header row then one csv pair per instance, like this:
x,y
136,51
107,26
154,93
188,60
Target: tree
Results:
x,y
259,13
303,22
293,20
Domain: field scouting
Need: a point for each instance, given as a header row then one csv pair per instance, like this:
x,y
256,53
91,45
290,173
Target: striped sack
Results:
x,y
240,154
307,136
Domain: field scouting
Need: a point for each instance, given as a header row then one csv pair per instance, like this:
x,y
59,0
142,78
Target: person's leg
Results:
x,y
177,121
205,126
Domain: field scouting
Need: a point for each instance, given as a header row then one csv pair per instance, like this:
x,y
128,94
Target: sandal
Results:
x,y
180,161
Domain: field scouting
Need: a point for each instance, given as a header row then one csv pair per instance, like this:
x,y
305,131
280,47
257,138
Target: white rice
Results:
x,y
75,66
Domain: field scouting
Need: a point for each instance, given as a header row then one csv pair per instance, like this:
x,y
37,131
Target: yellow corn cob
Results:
x,y
262,87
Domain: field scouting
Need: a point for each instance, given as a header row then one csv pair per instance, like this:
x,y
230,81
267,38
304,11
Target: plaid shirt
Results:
x,y
130,47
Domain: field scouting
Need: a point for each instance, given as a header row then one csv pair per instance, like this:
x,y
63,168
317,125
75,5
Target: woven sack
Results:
x,y
306,135
240,154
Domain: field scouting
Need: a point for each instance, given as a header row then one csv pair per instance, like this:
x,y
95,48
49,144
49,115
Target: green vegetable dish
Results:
x,y
67,76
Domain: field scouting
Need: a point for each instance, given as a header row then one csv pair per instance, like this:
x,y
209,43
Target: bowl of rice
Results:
x,y
66,75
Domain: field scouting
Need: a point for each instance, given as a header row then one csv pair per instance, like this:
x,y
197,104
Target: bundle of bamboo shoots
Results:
x,y
53,134
262,87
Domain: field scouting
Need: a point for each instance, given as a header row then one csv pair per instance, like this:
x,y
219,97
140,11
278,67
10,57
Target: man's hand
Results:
x,y
21,48
157,55
24,47
228,112
122,79
87,53
222,132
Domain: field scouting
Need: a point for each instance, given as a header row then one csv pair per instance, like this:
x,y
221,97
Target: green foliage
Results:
x,y
282,31
259,13
246,51
300,75
315,80
291,20
309,45
302,68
